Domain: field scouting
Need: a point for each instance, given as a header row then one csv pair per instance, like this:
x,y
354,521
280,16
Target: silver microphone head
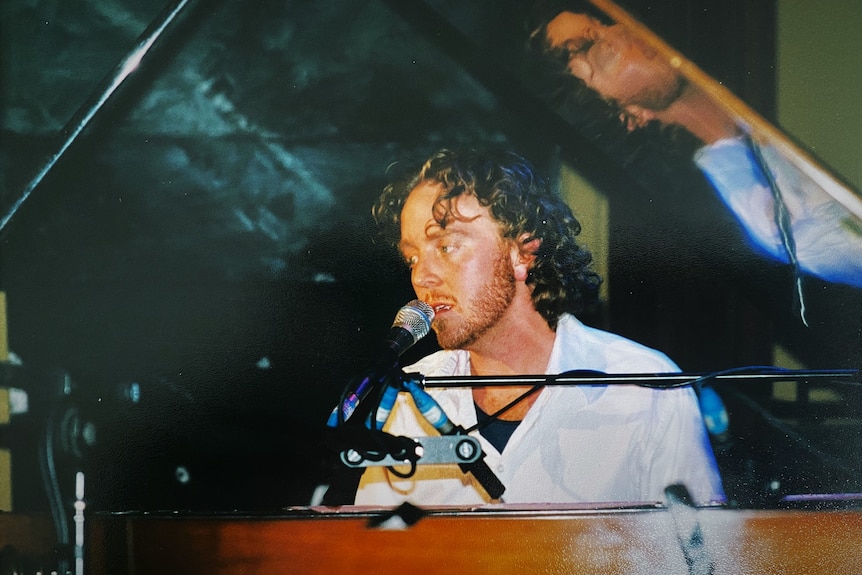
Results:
x,y
416,317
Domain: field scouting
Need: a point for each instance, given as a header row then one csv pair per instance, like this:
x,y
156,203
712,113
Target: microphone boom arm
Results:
x,y
657,380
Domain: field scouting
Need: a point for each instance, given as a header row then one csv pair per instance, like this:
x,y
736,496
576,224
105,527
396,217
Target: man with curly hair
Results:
x,y
493,251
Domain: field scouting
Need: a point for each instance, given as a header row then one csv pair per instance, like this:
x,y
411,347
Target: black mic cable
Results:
x,y
412,323
434,414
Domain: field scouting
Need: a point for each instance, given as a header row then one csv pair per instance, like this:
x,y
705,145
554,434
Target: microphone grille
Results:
x,y
416,317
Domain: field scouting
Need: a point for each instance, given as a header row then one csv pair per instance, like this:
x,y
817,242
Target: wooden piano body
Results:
x,y
495,539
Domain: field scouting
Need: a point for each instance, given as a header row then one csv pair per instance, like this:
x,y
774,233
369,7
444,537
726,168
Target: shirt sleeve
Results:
x,y
828,237
680,450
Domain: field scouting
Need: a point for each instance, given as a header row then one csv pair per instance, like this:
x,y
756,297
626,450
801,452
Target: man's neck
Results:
x,y
520,345
701,115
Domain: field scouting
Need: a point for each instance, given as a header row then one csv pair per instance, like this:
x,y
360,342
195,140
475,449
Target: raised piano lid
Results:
x,y
790,205
749,121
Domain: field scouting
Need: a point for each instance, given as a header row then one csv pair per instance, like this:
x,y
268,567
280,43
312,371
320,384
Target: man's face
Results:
x,y
614,62
463,271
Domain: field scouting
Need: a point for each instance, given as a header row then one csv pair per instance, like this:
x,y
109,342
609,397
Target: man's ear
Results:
x,y
523,255
634,117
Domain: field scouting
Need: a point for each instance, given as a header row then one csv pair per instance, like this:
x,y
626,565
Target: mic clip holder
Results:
x,y
452,446
458,449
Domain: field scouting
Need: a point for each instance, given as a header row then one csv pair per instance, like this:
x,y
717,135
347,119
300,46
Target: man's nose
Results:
x,y
580,68
425,273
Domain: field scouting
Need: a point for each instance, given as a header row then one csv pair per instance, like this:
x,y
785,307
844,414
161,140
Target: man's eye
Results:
x,y
447,248
411,260
580,47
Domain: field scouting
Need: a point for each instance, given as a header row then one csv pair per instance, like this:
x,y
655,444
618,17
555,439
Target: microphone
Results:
x,y
412,323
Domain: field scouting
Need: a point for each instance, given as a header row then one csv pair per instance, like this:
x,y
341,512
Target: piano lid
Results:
x,y
817,179
625,94
791,206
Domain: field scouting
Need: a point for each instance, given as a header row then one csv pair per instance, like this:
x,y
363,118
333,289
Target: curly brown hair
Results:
x,y
522,203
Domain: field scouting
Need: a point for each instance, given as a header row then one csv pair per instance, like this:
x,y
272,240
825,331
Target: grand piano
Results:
x,y
206,210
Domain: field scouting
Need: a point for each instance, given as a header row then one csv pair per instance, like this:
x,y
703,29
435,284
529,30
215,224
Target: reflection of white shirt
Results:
x,y
828,237
616,443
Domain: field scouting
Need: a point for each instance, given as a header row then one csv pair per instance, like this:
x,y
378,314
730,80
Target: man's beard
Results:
x,y
493,301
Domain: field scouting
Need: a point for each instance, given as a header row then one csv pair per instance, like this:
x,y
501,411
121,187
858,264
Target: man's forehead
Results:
x,y
430,193
425,190
427,200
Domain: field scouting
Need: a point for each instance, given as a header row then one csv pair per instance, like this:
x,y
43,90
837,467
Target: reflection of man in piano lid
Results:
x,y
826,238
493,250
624,69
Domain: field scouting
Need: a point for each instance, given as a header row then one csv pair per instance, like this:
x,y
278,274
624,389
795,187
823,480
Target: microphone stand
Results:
x,y
365,427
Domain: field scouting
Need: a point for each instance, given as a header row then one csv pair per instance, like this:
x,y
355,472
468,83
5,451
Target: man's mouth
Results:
x,y
441,308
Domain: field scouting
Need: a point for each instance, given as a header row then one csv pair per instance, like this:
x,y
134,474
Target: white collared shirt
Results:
x,y
577,444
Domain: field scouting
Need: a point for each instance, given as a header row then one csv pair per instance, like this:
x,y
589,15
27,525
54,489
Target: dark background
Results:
x,y
208,236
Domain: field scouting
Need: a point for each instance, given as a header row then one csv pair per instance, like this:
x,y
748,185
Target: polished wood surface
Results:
x,y
608,541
